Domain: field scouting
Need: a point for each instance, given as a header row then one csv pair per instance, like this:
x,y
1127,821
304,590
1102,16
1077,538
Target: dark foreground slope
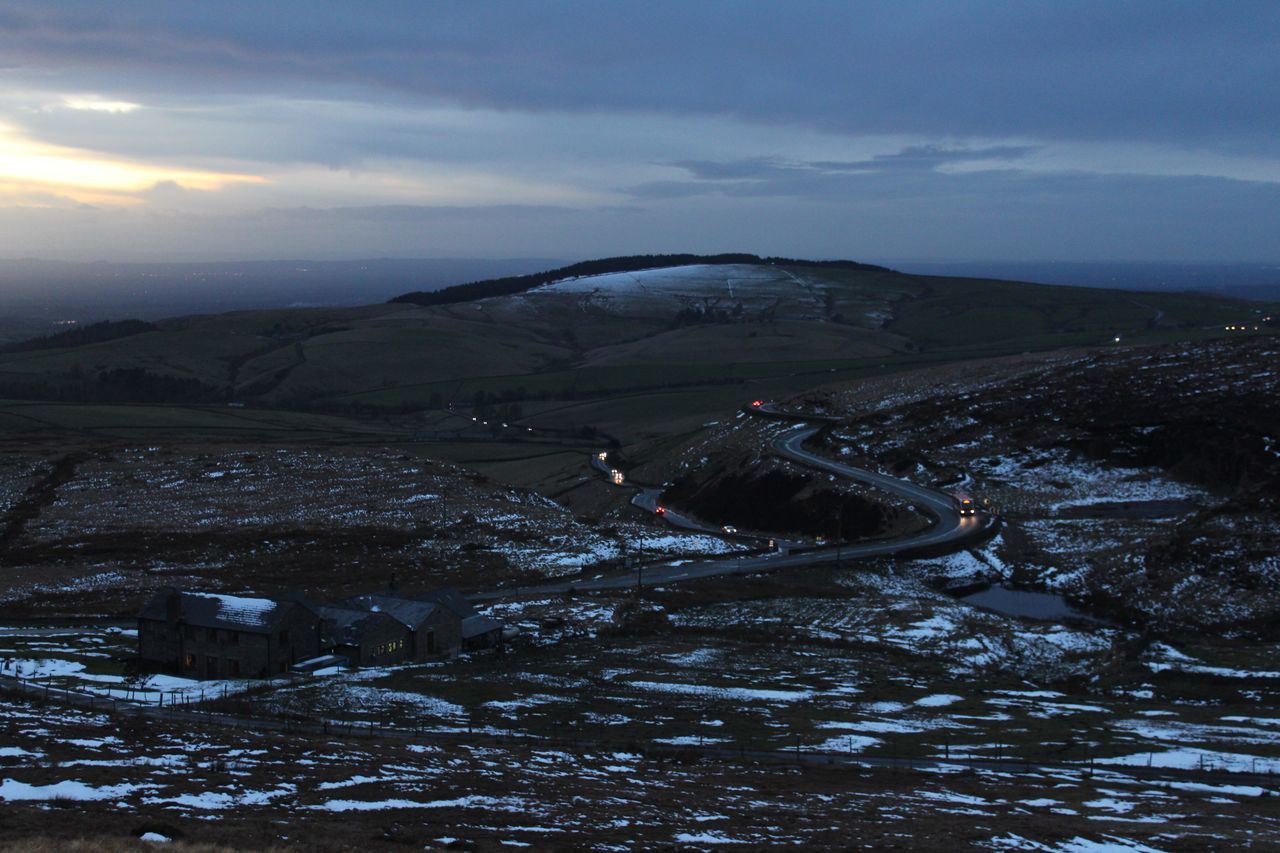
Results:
x,y
1144,482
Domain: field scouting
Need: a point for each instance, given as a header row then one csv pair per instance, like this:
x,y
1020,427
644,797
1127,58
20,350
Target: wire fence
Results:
x,y
687,750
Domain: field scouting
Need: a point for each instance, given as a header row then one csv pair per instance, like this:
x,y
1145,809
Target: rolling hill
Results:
x,y
639,355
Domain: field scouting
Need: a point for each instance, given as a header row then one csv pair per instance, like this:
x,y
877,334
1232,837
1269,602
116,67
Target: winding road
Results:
x,y
948,528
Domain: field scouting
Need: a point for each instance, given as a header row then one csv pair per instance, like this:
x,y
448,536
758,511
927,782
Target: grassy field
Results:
x,y
19,416
640,358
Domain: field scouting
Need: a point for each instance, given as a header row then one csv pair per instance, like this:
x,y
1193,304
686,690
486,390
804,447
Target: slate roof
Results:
x,y
344,625
475,626
450,599
213,610
406,611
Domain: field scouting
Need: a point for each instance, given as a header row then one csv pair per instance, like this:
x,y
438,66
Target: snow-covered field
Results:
x,y
733,289
17,474
557,556
206,782
1059,481
93,661
754,286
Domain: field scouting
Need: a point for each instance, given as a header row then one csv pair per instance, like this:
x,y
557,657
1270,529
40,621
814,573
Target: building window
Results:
x,y
233,668
189,632
213,635
189,661
389,647
233,637
210,665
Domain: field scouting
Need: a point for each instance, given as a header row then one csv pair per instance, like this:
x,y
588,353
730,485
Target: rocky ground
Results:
x,y
1144,482
63,779
1141,482
612,723
93,528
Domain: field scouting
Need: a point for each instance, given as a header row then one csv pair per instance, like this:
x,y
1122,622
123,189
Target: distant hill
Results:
x,y
40,293
1259,282
627,263
657,346
94,333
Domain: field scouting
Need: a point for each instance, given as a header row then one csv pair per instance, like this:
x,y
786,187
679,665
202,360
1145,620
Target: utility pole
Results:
x,y
839,535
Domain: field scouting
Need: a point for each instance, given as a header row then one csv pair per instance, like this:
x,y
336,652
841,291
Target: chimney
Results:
x,y
172,605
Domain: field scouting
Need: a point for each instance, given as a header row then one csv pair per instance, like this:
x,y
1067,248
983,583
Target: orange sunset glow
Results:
x,y
32,169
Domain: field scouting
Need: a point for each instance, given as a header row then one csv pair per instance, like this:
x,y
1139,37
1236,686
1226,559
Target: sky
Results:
x,y
1021,130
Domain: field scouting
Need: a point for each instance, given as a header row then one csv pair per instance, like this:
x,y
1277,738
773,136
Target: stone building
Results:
x,y
364,637
208,635
431,630
478,632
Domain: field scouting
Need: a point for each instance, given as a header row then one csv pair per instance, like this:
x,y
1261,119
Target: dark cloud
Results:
x,y
926,157
1003,189
756,168
417,212
1200,72
167,188
560,101
1008,214
912,158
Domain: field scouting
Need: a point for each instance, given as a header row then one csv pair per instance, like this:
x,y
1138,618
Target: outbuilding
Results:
x,y
365,637
478,632
433,630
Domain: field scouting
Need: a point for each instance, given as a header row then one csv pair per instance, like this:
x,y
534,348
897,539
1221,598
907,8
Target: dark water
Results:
x,y
1044,606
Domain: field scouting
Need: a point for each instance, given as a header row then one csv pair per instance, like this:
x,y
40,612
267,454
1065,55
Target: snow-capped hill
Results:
x,y
734,290
693,279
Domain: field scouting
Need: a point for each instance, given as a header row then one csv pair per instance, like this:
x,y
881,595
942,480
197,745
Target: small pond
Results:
x,y
1045,606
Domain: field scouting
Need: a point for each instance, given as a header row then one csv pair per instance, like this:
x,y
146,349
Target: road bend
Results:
x,y
947,528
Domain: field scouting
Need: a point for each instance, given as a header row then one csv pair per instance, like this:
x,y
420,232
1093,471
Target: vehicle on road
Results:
x,y
965,505
728,528
660,510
